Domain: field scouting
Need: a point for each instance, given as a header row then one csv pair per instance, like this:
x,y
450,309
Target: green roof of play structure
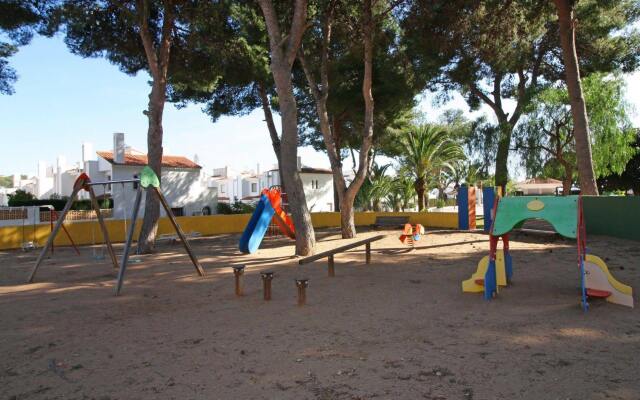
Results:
x,y
561,212
149,178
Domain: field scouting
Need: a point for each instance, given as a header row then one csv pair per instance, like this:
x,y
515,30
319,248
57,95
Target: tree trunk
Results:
x,y
567,180
158,63
305,235
273,132
586,173
420,189
502,156
146,240
283,54
345,194
347,218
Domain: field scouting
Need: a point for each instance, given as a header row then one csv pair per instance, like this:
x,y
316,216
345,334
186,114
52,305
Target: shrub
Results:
x,y
237,207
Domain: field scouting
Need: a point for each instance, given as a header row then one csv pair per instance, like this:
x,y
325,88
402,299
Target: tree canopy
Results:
x,y
494,51
19,20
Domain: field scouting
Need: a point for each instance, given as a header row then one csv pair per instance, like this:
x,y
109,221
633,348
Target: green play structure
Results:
x,y
561,212
566,216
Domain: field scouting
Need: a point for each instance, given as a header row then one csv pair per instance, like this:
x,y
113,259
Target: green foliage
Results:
x,y
545,136
6,181
58,202
19,20
394,86
20,196
427,150
375,189
492,51
629,178
237,207
228,62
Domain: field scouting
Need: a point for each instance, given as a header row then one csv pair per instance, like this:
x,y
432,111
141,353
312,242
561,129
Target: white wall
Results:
x,y
320,198
92,168
183,188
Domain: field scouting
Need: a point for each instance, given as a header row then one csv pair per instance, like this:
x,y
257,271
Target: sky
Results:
x,y
62,100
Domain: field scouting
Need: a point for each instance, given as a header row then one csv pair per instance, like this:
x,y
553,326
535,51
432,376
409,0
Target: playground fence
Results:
x,y
87,232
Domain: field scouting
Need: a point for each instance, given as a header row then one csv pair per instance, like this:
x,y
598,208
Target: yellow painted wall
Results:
x,y
84,233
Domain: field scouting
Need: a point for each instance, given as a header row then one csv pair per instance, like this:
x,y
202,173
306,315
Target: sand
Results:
x,y
399,328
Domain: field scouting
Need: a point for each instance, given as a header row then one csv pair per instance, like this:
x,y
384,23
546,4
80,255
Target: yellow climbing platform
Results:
x,y
475,284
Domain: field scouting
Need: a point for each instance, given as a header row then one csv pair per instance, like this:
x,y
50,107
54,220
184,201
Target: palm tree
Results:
x,y
374,189
428,149
404,190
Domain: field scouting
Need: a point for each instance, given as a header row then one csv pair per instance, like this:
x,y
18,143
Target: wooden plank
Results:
x,y
178,230
340,249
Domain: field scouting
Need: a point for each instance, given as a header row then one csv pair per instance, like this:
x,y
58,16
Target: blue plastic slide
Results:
x,y
257,226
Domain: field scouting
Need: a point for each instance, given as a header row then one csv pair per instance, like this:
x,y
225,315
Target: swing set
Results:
x,y
148,181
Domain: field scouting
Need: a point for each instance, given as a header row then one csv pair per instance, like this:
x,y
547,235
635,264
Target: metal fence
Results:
x,y
36,215
75,215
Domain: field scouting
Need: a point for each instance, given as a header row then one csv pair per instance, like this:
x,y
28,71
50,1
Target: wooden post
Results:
x,y
331,271
302,291
127,246
103,227
368,252
76,188
238,271
178,230
266,284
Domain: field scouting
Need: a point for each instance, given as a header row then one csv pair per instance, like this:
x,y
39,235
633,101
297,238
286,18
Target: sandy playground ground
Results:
x,y
399,328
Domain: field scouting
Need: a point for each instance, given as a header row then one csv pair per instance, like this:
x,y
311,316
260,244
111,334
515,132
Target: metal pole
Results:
x,y
187,247
53,234
123,181
127,246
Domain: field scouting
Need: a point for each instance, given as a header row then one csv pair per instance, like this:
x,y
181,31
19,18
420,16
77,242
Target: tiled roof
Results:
x,y
141,160
539,181
309,170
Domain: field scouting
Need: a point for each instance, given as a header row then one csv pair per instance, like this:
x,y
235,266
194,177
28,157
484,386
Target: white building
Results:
x,y
184,183
538,186
247,186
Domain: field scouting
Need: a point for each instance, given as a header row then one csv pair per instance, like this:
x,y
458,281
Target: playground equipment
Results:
x,y
466,200
411,234
475,284
329,254
148,181
302,285
268,208
566,216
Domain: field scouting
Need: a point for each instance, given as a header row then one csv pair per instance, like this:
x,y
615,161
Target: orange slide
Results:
x,y
284,222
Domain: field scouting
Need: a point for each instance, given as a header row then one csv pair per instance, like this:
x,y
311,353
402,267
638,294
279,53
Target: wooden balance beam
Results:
x,y
330,253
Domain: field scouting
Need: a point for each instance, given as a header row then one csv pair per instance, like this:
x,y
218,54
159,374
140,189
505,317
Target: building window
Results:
x,y
206,210
254,187
178,211
315,184
108,186
330,206
136,184
223,188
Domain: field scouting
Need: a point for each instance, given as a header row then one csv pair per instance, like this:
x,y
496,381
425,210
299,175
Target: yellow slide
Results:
x,y
600,283
475,284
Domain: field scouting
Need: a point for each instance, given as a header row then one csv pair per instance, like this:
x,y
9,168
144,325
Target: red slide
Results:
x,y
284,222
